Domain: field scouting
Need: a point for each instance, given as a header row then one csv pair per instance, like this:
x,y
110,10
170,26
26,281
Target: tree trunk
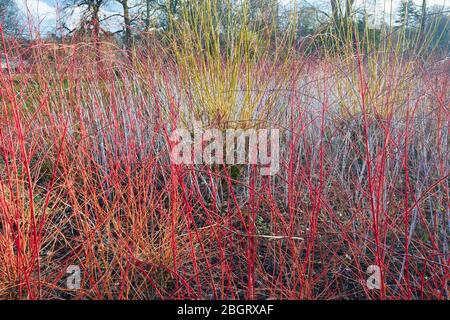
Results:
x,y
127,37
96,34
423,22
96,20
127,24
147,15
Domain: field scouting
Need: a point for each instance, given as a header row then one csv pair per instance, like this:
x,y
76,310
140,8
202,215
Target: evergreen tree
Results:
x,y
408,15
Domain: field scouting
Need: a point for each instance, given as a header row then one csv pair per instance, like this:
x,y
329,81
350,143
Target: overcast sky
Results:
x,y
45,13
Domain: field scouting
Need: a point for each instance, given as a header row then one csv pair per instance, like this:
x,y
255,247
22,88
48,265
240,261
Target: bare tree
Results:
x,y
127,22
157,12
90,14
90,21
